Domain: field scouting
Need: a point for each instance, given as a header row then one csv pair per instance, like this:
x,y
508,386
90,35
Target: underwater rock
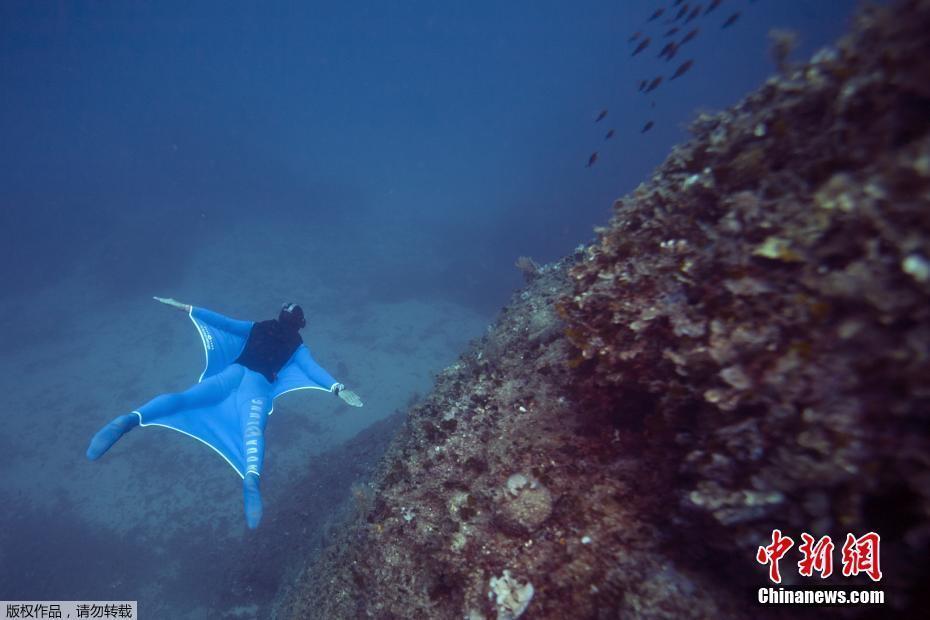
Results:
x,y
523,505
805,260
511,597
745,347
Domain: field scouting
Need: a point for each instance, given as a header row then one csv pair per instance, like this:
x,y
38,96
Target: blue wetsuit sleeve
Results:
x,y
314,371
219,321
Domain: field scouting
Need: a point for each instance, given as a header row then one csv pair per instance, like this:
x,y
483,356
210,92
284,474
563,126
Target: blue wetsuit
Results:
x,y
227,409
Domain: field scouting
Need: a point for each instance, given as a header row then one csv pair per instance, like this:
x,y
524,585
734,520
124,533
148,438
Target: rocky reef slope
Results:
x,y
746,346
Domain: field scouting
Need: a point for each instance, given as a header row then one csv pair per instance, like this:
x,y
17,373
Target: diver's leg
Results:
x,y
110,434
254,412
202,394
208,392
252,500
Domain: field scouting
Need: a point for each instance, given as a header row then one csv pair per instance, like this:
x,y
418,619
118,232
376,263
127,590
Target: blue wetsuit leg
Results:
x,y
209,391
252,401
110,434
254,405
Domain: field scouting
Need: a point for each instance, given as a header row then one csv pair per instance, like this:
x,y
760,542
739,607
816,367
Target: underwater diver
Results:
x,y
248,365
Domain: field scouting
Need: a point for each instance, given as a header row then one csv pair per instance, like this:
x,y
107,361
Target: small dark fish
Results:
x,y
677,2
654,84
672,32
600,116
647,127
681,13
688,37
592,159
643,84
682,69
656,15
665,50
671,53
642,45
694,14
730,20
713,5
635,36
610,134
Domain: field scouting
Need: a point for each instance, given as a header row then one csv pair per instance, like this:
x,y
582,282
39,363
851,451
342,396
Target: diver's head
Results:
x,y
292,315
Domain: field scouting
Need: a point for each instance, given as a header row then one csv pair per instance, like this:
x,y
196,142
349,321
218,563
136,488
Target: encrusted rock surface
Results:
x,y
764,299
498,470
746,346
523,505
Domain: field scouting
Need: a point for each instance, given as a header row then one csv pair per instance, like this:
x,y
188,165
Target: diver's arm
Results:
x,y
323,379
221,321
173,303
233,326
314,371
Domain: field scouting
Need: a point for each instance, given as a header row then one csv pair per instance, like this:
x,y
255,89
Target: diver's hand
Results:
x,y
350,398
174,303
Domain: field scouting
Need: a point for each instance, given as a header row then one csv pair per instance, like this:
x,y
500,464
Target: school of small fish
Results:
x,y
678,14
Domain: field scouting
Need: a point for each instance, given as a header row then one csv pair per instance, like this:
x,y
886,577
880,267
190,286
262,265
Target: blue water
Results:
x,y
384,164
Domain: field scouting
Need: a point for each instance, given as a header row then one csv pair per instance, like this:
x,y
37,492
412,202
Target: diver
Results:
x,y
248,365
